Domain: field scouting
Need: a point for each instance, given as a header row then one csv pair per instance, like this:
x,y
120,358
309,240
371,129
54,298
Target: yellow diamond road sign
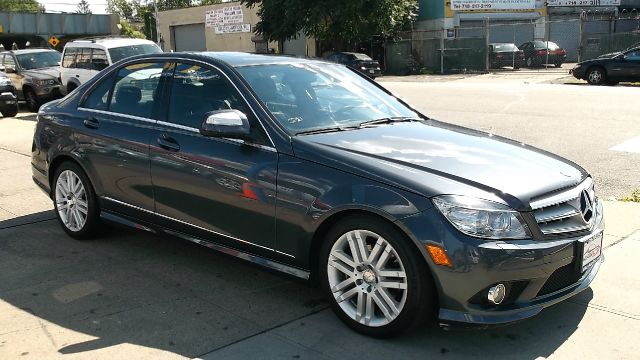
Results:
x,y
54,41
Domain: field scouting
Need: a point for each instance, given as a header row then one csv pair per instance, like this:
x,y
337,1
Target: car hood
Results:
x,y
433,158
43,74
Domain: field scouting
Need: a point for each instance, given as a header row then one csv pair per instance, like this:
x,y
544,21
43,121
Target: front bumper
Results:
x,y
577,72
8,99
48,92
537,273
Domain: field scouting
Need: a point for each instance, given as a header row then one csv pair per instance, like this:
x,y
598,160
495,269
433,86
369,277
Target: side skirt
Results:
x,y
115,218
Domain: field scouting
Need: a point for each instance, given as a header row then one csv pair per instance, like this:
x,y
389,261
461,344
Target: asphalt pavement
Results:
x,y
133,295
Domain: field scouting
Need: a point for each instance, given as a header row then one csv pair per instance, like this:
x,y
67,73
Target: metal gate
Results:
x,y
566,33
188,37
512,32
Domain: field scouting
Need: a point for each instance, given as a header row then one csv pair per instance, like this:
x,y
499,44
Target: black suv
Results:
x,y
35,73
8,99
315,170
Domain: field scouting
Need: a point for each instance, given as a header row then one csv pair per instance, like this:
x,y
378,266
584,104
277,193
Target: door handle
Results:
x,y
168,143
91,123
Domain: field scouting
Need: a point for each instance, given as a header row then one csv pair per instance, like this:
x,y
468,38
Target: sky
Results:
x,y
96,6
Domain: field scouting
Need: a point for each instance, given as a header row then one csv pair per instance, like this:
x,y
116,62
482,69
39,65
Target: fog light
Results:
x,y
497,293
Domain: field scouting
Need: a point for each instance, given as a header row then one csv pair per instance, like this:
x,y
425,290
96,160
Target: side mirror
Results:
x,y
226,123
10,70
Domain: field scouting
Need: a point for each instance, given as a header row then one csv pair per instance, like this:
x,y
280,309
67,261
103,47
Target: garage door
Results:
x,y
188,37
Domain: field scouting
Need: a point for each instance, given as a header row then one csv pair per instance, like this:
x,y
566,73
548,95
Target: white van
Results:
x,y
83,58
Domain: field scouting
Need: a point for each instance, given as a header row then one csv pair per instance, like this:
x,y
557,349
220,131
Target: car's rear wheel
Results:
x,y
33,103
375,279
596,76
558,65
75,201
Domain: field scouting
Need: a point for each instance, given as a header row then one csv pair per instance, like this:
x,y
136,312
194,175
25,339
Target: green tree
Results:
x,y
127,30
341,22
83,7
123,8
21,6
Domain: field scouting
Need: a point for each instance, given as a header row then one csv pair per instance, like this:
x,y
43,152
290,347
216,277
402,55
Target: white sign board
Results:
x,y
583,2
233,28
488,5
224,16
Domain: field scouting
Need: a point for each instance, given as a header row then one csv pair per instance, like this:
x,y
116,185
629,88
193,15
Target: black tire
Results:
x,y
558,65
33,103
92,222
419,298
596,76
11,111
71,87
530,63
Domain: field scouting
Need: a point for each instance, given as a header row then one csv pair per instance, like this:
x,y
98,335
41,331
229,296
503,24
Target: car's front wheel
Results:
x,y
596,76
375,278
75,201
33,103
10,111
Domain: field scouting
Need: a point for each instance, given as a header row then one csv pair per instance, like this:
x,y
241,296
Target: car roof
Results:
x,y
29,51
237,59
110,42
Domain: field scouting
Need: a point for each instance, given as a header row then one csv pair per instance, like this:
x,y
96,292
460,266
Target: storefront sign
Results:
x,y
488,5
583,2
224,16
233,28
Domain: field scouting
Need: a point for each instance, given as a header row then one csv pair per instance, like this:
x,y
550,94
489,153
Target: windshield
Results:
x,y
38,60
308,97
505,47
550,45
123,52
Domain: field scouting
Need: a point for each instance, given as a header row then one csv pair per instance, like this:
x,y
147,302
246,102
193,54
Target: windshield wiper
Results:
x,y
388,120
327,130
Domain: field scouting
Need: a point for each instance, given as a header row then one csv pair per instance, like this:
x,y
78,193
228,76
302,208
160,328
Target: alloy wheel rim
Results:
x,y
71,200
367,278
595,76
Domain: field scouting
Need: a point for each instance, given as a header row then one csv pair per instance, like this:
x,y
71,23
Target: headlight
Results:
x,y
363,68
5,82
482,218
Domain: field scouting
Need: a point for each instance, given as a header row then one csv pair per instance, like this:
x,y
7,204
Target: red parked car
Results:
x,y
537,53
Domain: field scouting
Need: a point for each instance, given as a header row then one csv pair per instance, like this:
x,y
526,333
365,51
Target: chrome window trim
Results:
x,y
192,225
171,59
132,117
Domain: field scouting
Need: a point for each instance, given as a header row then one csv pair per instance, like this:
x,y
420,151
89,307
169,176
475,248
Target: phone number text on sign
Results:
x,y
462,5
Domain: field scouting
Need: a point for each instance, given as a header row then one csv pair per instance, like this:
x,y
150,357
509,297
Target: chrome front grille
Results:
x,y
562,212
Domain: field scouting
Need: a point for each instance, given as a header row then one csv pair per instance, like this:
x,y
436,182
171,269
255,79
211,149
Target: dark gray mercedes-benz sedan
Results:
x,y
314,170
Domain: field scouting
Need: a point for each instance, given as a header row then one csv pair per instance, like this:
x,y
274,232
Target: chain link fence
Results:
x,y
479,46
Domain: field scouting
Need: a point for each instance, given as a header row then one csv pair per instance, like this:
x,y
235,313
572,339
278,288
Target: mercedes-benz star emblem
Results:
x,y
586,206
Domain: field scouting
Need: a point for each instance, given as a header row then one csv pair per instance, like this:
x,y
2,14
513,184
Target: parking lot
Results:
x,y
130,295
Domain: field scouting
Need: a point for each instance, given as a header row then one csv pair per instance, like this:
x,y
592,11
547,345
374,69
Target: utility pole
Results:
x,y
155,6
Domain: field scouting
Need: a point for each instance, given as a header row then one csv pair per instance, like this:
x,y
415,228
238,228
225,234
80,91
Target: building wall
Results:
x,y
214,42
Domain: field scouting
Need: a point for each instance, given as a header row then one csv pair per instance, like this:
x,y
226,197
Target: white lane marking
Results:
x,y
631,145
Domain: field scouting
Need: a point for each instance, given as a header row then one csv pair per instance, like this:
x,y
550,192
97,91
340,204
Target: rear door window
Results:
x,y
136,89
98,99
69,57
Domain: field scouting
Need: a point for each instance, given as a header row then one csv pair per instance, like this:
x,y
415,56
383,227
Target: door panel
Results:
x,y
212,185
118,118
